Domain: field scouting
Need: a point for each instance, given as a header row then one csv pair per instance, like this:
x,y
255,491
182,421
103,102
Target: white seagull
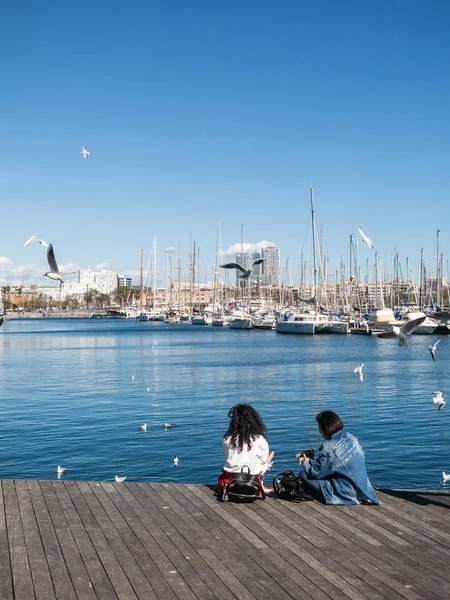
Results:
x,y
246,272
366,239
359,371
168,425
120,479
60,471
445,477
433,349
439,399
404,332
54,272
84,152
143,427
175,460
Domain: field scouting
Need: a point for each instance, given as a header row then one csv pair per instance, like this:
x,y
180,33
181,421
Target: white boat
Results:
x,y
244,322
310,324
220,321
267,322
202,320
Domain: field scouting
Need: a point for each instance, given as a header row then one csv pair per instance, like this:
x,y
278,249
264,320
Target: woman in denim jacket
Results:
x,y
339,474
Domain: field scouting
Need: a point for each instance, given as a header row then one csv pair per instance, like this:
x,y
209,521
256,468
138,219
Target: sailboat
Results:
x,y
2,308
310,323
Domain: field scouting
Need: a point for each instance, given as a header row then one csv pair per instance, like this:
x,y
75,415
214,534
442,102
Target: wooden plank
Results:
x,y
6,582
166,538
20,568
138,585
284,579
62,582
98,576
253,578
245,526
112,566
40,572
74,563
132,532
162,515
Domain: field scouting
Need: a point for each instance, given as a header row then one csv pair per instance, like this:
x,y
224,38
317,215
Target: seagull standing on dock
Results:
x,y
84,152
439,399
54,272
433,349
245,272
359,370
366,239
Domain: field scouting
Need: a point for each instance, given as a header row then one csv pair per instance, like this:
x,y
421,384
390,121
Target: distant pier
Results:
x,y
73,540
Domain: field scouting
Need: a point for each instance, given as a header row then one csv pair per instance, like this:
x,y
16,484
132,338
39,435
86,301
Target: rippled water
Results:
x,y
68,398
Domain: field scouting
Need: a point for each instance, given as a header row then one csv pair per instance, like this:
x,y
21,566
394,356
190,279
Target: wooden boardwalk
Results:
x,y
70,540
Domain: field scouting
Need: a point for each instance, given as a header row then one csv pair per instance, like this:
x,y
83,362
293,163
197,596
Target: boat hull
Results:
x,y
241,324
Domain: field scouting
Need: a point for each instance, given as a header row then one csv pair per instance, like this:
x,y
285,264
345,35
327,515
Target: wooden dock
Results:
x,y
72,540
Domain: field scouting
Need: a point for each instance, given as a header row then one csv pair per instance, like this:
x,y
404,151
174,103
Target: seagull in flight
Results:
x,y
143,427
175,460
366,239
433,349
439,399
359,371
245,272
54,272
84,152
120,479
404,332
445,477
60,471
168,425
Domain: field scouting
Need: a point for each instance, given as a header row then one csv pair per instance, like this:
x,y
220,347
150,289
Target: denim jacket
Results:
x,y
341,469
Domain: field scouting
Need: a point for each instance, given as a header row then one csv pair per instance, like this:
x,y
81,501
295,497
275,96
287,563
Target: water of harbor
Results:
x,y
73,393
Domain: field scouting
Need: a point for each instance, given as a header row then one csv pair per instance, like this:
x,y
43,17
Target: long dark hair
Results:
x,y
329,423
244,426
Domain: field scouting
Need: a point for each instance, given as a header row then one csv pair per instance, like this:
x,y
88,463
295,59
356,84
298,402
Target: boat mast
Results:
x,y
154,273
190,273
313,224
141,293
437,269
421,279
179,279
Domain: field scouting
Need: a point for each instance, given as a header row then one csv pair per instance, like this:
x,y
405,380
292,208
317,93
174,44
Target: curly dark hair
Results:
x,y
244,426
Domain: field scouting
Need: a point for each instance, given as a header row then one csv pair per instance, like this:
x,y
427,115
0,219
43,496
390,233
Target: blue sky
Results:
x,y
199,111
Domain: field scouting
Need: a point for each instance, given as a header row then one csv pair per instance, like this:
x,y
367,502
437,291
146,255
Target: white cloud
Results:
x,y
232,250
4,260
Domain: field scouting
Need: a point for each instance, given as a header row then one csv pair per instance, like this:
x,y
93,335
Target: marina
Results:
x,y
67,540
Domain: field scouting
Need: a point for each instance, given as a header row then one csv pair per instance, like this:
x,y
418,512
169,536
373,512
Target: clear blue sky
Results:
x,y
198,111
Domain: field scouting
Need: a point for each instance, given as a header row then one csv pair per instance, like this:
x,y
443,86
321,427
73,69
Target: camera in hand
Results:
x,y
308,453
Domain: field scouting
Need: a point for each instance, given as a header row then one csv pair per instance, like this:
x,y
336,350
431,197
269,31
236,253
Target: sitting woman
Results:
x,y
244,445
339,474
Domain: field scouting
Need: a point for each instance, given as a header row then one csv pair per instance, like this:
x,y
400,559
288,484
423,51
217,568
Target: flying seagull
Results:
x,y
60,471
439,399
143,427
433,349
54,272
175,460
404,332
120,479
445,477
366,239
245,272
168,425
84,152
359,370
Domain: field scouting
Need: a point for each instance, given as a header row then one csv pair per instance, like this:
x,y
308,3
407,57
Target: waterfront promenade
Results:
x,y
73,540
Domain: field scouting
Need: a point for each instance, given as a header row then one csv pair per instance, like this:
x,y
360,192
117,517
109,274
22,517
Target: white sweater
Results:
x,y
255,458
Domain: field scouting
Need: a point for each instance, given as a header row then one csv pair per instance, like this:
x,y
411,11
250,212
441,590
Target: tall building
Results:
x,y
103,281
271,266
124,281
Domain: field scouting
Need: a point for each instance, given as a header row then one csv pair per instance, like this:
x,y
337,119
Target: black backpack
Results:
x,y
288,486
243,487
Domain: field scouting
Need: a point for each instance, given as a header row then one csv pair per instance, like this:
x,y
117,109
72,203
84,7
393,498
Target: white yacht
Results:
x,y
310,324
427,327
201,320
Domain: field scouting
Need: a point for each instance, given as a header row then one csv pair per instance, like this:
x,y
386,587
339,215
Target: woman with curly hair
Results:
x,y
244,444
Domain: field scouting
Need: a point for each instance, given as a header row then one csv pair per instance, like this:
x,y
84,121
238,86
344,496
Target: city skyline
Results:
x,y
193,114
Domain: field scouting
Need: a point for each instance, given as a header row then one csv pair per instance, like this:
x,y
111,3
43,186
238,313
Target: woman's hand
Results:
x,y
303,458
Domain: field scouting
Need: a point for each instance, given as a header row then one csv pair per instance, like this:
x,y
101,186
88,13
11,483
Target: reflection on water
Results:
x,y
68,397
